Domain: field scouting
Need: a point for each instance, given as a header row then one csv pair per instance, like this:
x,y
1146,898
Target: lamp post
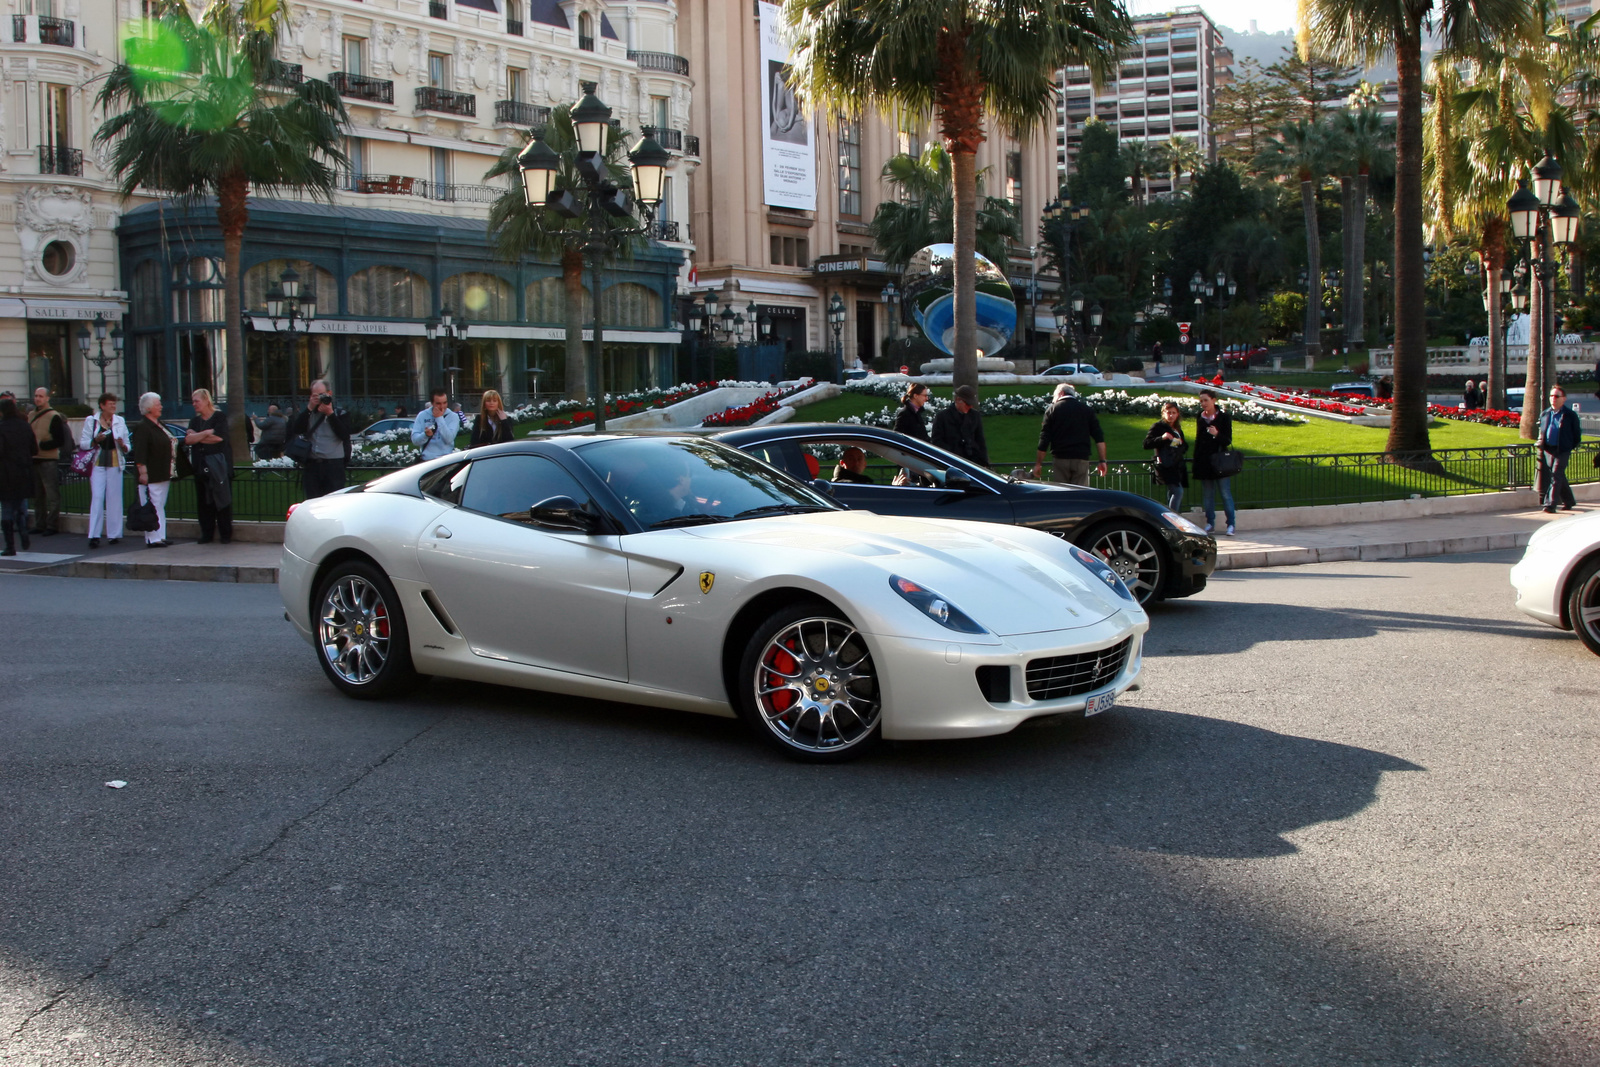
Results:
x,y
602,201
1096,317
836,316
99,357
891,304
455,335
293,302
1543,217
1059,221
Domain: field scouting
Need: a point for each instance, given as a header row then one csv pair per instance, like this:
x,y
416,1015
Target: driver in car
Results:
x,y
661,491
852,467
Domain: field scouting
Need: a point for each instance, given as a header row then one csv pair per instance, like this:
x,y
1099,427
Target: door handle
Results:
x,y
441,533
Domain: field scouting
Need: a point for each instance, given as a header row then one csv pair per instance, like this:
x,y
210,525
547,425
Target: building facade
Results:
x,y
1164,87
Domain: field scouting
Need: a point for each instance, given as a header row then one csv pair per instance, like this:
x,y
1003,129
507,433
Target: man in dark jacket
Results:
x,y
1559,434
329,430
959,428
1069,425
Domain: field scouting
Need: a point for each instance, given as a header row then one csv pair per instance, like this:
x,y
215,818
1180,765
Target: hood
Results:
x,y
1005,578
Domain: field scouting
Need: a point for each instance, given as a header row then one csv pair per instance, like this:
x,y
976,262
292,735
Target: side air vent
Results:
x,y
994,682
439,613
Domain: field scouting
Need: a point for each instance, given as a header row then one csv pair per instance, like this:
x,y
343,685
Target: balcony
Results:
x,y
447,101
585,44
60,32
514,27
671,140
518,113
289,75
664,230
437,10
361,87
662,61
691,145
402,185
59,159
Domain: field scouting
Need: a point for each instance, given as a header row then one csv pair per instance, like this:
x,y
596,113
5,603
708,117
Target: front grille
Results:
x,y
1055,677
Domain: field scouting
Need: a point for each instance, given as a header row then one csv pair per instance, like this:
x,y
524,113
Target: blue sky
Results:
x,y
1271,16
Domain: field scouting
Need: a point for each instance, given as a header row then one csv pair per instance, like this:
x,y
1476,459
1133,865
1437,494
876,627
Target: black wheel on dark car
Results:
x,y
1135,553
1583,604
807,684
362,641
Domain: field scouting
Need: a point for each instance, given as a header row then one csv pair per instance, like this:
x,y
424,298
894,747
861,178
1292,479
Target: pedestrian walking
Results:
x,y
328,428
272,430
959,428
53,437
1069,426
908,420
107,434
1559,433
17,450
436,426
493,425
211,454
152,459
1213,435
1470,397
1155,354
1167,438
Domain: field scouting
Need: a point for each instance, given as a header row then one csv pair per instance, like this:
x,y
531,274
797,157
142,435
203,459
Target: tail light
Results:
x,y
290,513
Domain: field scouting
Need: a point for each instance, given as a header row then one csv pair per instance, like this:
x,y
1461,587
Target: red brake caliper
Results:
x,y
780,661
382,625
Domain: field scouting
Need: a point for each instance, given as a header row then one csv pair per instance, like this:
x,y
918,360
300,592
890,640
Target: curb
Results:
x,y
161,572
1297,555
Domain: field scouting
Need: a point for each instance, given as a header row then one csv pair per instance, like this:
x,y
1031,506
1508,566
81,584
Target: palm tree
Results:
x,y
1142,158
1181,156
218,116
519,229
924,211
1366,145
1364,30
1300,148
959,58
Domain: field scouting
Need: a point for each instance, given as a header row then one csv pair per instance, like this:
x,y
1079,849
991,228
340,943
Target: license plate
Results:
x,y
1096,705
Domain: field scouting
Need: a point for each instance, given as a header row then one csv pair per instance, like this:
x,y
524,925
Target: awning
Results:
x,y
63,310
478,331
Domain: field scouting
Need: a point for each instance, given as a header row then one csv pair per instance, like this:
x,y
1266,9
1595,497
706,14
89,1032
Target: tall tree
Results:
x,y
1299,151
1181,156
205,108
1141,159
1099,175
923,212
962,59
1246,112
1312,82
1364,30
1366,146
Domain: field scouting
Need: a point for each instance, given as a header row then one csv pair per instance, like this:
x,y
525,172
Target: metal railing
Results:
x,y
520,113
61,32
260,494
289,75
691,144
361,87
514,27
666,137
404,185
446,100
662,61
437,10
664,230
585,44
1355,478
59,159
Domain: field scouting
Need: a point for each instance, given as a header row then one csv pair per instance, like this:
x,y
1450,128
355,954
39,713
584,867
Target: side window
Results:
x,y
507,486
445,483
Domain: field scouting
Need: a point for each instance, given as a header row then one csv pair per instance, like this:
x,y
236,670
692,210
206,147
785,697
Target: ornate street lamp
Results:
x,y
836,317
1545,219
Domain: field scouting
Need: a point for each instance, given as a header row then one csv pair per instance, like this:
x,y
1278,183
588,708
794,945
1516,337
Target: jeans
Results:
x,y
1556,489
105,501
1175,497
15,511
1208,496
47,498
322,476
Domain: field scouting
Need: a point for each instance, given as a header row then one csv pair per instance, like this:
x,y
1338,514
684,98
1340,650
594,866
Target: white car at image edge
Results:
x,y
1558,579
678,572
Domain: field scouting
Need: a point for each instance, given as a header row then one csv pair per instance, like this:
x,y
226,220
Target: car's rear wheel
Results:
x,y
807,684
1583,604
1135,553
362,641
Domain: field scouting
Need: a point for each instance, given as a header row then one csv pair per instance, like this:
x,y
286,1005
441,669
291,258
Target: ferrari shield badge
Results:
x,y
706,581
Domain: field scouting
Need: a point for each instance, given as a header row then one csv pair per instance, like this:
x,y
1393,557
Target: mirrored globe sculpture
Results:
x,y
930,293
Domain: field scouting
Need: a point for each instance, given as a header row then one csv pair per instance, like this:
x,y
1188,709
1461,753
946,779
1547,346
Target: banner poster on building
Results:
x,y
789,161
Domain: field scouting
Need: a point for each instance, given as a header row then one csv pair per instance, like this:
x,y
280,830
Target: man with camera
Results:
x,y
435,429
328,429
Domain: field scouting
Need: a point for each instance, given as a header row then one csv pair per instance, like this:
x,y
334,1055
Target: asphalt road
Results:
x,y
1350,819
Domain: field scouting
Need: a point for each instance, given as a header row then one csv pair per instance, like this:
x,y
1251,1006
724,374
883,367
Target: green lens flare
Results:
x,y
155,53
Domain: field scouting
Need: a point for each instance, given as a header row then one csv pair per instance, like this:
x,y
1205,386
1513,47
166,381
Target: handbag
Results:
x,y
299,448
1227,463
83,461
142,518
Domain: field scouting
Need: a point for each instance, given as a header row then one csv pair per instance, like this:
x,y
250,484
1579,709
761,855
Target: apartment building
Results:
x,y
1163,87
435,92
783,198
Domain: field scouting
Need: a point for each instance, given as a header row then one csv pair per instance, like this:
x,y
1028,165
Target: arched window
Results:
x,y
197,290
144,294
547,302
389,293
263,276
586,31
480,297
629,305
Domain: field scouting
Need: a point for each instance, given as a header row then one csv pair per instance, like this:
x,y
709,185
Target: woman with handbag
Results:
x,y
1167,439
106,436
152,458
1214,460
212,455
18,447
493,425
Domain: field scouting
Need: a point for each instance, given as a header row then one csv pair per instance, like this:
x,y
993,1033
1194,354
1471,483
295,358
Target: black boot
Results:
x,y
22,531
11,537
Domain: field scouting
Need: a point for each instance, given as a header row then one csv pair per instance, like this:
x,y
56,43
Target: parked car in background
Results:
x,y
1366,389
1558,579
1063,370
392,424
1242,357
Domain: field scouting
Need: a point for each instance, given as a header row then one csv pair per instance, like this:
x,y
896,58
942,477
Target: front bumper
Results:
x,y
1537,578
930,689
1194,557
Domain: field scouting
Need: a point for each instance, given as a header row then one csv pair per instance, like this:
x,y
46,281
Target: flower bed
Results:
x,y
1108,401
757,409
1333,402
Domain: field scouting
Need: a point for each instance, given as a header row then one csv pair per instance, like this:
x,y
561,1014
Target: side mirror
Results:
x,y
822,485
563,513
954,479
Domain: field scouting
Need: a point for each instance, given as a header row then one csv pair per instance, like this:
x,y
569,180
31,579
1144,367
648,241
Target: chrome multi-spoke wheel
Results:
x,y
1583,605
812,687
1136,557
361,631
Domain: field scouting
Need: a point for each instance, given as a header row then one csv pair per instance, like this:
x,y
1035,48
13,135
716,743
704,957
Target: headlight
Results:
x,y
1101,570
934,606
1181,523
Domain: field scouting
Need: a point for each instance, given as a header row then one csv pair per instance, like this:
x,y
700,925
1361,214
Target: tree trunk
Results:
x,y
960,102
1533,394
1313,323
1347,239
1408,427
572,284
597,359
1494,243
1355,284
1575,274
232,215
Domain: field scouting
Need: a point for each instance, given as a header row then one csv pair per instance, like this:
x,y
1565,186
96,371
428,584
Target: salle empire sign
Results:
x,y
347,326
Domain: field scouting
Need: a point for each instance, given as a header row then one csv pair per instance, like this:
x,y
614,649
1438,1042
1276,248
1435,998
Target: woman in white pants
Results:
x,y
152,458
108,435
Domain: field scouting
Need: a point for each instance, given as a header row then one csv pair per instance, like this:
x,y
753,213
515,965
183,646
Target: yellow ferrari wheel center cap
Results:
x,y
820,685
360,629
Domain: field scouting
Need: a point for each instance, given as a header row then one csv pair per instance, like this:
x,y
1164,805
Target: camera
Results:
x,y
326,400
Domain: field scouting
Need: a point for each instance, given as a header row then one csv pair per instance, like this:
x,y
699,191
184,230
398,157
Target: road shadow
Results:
x,y
1218,627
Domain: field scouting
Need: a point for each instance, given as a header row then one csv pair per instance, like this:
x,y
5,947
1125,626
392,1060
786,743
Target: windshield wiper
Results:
x,y
780,509
697,518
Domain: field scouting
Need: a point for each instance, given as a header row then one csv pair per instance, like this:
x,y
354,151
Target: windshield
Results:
x,y
665,482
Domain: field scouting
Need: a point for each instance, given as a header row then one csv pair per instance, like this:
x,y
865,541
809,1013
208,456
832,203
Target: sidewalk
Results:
x,y
69,555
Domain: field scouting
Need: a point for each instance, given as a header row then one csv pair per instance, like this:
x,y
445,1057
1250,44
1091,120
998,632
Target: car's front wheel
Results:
x,y
1135,553
807,684
1583,604
362,641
